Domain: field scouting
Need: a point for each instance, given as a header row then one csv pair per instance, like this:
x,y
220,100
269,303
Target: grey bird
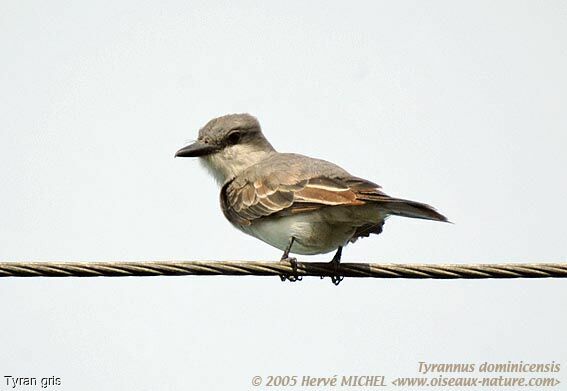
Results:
x,y
295,203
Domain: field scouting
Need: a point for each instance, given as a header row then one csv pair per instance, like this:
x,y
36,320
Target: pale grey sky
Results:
x,y
457,104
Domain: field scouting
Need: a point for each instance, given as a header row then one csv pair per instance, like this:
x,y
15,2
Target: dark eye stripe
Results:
x,y
233,138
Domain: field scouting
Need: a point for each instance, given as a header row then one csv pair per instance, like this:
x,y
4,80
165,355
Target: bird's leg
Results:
x,y
286,258
336,278
288,249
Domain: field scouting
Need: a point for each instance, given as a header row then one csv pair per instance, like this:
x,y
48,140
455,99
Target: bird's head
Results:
x,y
228,145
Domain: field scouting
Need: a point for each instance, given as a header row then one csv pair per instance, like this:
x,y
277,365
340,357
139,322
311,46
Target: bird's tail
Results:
x,y
416,210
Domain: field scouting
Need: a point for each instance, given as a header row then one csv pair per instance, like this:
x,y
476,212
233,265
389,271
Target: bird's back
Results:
x,y
290,168
287,183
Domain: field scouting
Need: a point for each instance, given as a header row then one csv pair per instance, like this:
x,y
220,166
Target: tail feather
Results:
x,y
416,210
398,206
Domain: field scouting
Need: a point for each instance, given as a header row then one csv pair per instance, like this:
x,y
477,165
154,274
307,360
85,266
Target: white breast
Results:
x,y
316,232
311,237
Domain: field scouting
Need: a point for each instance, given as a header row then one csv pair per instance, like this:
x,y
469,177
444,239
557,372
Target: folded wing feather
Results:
x,y
244,202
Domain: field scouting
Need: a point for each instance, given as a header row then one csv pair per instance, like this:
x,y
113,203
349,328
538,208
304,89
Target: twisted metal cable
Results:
x,y
318,269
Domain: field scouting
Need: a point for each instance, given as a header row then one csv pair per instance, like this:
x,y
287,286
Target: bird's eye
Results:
x,y
233,138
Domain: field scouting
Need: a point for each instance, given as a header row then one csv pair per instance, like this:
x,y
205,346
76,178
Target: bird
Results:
x,y
298,204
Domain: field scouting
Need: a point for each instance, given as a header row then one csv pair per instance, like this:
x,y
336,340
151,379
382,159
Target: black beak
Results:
x,y
198,148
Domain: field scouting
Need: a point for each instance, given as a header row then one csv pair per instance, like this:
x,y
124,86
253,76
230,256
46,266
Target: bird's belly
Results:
x,y
312,234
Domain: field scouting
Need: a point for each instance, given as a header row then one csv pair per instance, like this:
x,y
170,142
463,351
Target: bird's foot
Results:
x,y
294,276
336,278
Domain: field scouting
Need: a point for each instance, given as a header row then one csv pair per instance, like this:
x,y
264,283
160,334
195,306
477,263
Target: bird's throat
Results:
x,y
231,162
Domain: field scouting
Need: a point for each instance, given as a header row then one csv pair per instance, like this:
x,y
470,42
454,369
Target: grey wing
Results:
x,y
289,184
249,197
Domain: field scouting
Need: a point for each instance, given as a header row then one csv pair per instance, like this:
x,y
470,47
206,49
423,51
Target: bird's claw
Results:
x,y
294,276
336,278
